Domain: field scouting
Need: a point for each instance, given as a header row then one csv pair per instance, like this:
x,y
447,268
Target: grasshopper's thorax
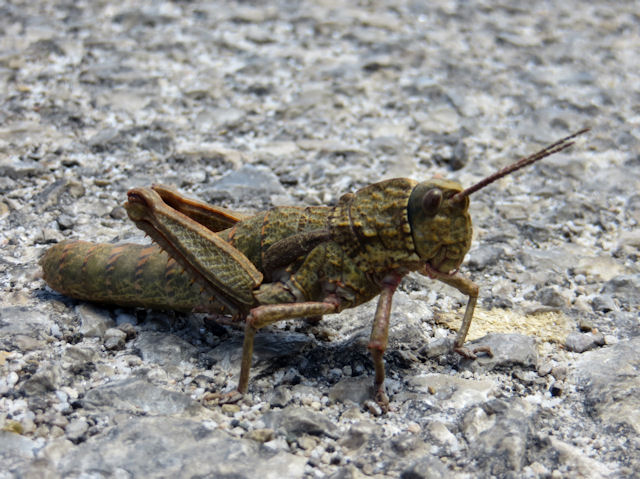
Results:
x,y
400,224
440,225
372,226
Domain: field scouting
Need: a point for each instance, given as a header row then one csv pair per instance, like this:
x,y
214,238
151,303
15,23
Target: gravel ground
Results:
x,y
296,103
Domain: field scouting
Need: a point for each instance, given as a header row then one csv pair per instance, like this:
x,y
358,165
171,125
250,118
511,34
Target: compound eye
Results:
x,y
431,201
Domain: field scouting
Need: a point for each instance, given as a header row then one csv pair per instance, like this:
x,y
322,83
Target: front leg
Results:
x,y
470,289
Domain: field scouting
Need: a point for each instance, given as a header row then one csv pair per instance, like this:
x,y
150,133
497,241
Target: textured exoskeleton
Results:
x,y
286,262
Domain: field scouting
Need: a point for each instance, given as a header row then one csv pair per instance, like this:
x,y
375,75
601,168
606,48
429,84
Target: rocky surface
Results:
x,y
250,105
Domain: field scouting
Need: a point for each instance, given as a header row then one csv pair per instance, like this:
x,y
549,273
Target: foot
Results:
x,y
382,400
216,399
473,353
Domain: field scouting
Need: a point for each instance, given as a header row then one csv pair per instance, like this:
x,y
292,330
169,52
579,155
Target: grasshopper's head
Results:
x,y
440,223
438,212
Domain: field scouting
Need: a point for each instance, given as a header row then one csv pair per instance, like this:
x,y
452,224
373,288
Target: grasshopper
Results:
x,y
286,262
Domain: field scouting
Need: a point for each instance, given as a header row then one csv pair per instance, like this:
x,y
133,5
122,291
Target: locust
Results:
x,y
285,262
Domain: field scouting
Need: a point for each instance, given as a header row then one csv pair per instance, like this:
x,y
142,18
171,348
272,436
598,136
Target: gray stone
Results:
x,y
359,434
11,379
348,472
280,396
15,168
499,442
604,303
52,452
426,467
58,192
581,342
221,118
158,142
356,389
16,451
626,288
629,239
406,444
65,222
508,350
22,323
610,381
76,429
574,459
440,434
55,419
248,181
551,296
175,447
79,354
127,328
298,421
114,339
560,372
163,348
437,348
453,391
585,325
387,145
484,256
103,138
118,213
94,321
46,379
135,396
27,343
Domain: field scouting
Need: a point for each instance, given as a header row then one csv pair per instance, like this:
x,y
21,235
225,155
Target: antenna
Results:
x,y
559,145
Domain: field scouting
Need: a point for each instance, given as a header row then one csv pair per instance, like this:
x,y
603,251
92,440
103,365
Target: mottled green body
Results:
x,y
371,235
283,263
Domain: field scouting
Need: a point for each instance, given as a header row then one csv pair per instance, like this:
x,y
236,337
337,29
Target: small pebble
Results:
x,y
581,342
260,435
114,339
230,409
76,429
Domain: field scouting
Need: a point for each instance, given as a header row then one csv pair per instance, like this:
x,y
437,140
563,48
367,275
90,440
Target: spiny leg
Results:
x,y
380,336
214,218
222,270
260,317
264,315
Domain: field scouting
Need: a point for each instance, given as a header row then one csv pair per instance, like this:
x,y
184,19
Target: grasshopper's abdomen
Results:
x,y
126,275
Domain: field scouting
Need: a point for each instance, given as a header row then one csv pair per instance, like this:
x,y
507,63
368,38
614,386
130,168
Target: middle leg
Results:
x,y
380,336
